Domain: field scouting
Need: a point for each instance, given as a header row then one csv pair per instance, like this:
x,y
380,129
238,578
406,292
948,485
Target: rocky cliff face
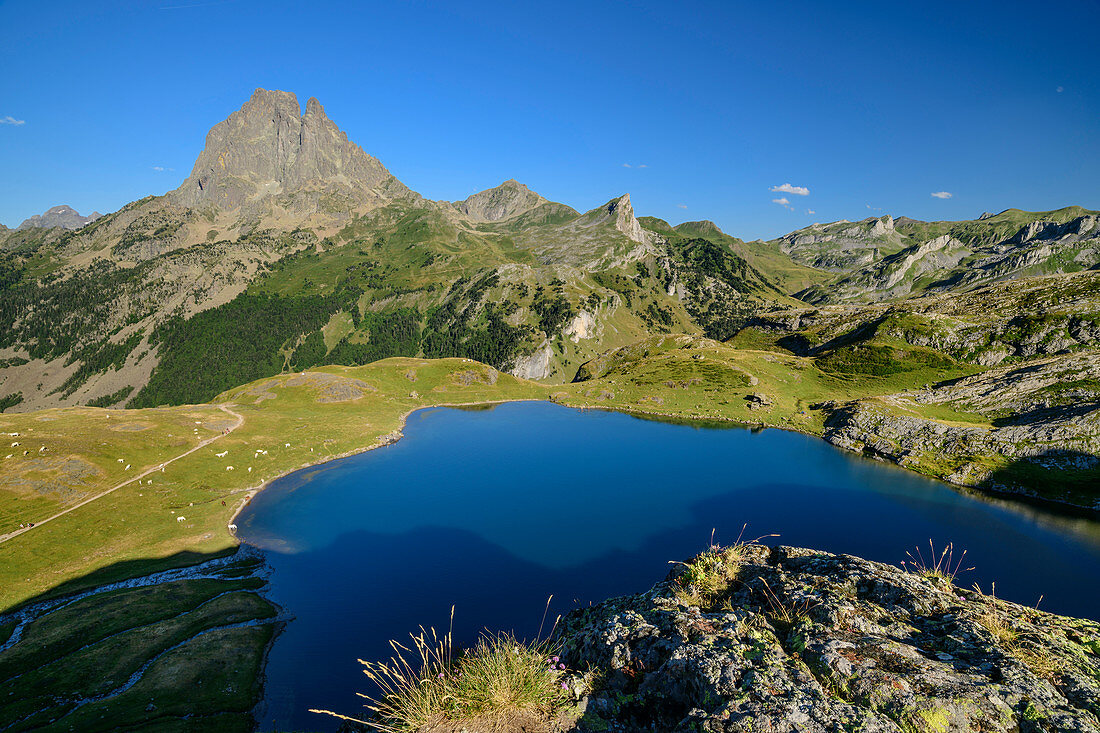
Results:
x,y
62,216
270,148
789,639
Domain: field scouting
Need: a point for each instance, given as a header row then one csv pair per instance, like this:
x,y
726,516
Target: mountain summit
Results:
x,y
509,199
59,216
270,148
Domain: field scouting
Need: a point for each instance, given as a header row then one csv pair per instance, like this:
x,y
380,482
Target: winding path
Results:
x,y
154,469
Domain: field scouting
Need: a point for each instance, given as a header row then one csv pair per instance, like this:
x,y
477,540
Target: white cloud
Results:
x,y
1060,89
9,120
942,194
161,168
627,165
682,206
781,201
874,208
788,188
810,211
643,165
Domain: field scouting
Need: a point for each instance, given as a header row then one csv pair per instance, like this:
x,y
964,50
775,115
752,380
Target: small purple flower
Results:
x,y
440,675
564,686
555,659
561,666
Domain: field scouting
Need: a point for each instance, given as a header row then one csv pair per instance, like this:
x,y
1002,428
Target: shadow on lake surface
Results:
x,y
495,511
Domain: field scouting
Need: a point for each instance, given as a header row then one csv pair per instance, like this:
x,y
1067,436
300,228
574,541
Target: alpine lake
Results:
x,y
495,510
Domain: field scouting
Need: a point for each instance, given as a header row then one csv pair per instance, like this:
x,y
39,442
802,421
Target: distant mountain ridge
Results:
x,y
290,246
63,216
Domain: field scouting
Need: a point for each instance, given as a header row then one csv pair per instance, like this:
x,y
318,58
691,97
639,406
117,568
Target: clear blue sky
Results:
x,y
874,104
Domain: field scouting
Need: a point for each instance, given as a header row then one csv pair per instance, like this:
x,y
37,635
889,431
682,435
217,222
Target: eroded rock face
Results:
x,y
535,365
270,148
810,641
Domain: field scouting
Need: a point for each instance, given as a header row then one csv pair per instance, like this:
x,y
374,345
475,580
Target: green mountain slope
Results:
x,y
288,251
272,257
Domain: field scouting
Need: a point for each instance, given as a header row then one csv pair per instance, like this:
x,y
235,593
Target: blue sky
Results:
x,y
871,107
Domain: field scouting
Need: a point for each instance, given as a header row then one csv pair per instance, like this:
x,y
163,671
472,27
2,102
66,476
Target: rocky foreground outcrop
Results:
x,y
756,639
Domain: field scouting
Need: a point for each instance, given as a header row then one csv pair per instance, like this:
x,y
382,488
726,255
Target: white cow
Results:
x,y
228,468
181,518
223,454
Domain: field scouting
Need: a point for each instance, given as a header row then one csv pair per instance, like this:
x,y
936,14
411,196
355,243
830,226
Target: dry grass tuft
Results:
x,y
785,613
487,687
942,566
1019,644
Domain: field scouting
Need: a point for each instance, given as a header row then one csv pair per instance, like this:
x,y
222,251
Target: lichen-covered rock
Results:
x,y
810,641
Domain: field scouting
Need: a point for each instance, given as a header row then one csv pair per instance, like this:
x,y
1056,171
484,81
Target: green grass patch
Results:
x,y
500,681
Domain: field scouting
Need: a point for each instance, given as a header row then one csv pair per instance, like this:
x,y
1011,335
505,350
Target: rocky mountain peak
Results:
x,y
505,201
882,226
269,147
622,211
59,216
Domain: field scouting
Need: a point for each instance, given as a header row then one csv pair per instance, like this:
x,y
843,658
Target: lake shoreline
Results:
x,y
1039,502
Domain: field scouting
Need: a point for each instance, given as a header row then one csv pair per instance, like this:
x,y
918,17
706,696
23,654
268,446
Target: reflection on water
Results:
x,y
494,511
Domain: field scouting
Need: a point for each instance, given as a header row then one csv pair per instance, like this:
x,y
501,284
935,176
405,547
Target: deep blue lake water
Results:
x,y
495,510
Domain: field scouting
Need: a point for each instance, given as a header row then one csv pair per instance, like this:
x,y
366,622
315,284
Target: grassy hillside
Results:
x,y
161,306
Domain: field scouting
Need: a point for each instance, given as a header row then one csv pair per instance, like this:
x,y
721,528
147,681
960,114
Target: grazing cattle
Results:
x,y
127,467
232,527
228,468
181,518
223,454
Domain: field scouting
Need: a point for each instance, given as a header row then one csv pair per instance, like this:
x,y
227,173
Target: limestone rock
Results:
x,y
535,365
